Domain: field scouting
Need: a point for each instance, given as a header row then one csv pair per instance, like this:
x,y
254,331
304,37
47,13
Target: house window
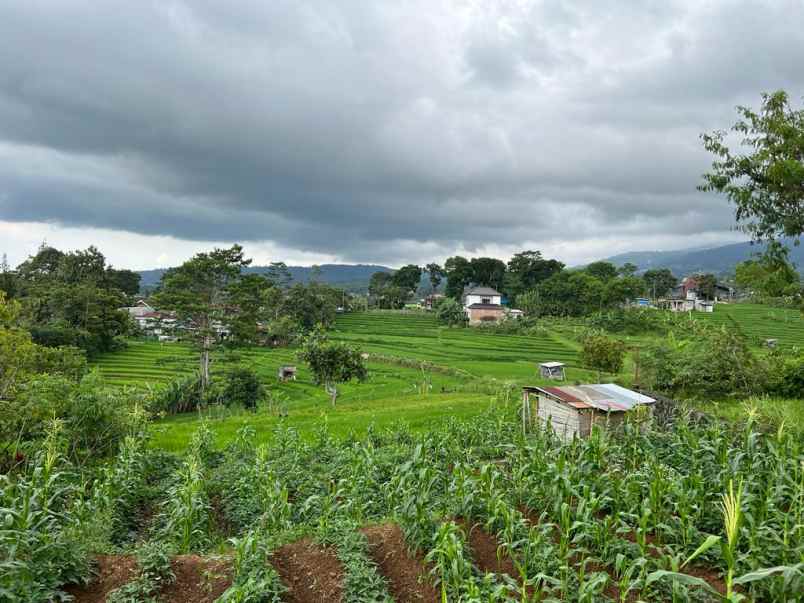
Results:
x,y
485,300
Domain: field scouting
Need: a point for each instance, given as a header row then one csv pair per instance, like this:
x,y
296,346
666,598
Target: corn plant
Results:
x,y
255,580
362,582
186,510
40,534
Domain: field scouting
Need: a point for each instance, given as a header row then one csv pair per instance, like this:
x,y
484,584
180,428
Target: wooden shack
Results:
x,y
572,411
552,370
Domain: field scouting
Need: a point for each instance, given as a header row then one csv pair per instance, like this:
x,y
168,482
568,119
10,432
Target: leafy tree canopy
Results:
x,y
331,362
526,270
764,176
407,277
604,271
659,282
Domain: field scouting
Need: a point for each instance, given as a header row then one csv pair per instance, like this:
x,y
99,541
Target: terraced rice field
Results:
x,y
146,362
760,322
395,390
420,336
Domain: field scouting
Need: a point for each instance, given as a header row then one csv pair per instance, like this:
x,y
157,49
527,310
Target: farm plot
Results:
x,y
419,336
672,512
758,323
461,385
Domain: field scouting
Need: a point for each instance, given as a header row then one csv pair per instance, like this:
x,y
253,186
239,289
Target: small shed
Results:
x,y
552,370
771,343
571,411
287,373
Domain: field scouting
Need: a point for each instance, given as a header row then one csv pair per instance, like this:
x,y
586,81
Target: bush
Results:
x,y
450,312
709,363
180,395
786,375
243,387
96,417
603,353
630,321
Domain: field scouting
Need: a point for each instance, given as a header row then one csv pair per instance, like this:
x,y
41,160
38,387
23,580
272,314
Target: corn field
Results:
x,y
689,510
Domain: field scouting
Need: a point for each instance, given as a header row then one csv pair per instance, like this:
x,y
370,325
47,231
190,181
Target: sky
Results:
x,y
375,132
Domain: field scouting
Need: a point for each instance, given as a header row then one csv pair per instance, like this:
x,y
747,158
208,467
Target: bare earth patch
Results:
x,y
113,572
198,580
311,572
406,574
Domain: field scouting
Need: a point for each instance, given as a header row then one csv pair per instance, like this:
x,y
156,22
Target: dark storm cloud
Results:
x,y
367,129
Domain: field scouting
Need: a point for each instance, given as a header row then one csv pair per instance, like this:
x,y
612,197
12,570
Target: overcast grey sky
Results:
x,y
387,132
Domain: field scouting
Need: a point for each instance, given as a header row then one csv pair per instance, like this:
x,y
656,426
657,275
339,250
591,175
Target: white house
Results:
x,y
483,304
482,295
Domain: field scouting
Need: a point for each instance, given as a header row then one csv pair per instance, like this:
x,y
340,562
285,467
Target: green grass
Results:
x,y
392,393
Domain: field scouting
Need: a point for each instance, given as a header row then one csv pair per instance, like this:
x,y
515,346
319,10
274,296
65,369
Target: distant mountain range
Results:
x,y
717,260
352,277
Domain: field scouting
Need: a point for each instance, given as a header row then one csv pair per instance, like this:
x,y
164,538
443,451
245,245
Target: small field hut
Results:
x,y
572,410
552,370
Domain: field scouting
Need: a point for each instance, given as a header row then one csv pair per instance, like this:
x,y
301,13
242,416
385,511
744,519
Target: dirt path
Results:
x,y
406,574
311,572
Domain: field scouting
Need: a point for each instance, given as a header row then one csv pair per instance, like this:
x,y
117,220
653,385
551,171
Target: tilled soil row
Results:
x,y
312,573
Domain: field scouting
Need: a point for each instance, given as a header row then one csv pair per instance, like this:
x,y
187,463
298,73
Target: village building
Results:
x,y
431,301
687,297
483,304
572,411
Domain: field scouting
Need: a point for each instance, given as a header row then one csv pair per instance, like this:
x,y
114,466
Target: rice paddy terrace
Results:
x,y
758,323
411,336
420,336
466,367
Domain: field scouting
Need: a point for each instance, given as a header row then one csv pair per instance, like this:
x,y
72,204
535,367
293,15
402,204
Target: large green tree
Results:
x,y
763,175
71,298
771,274
459,275
526,270
604,271
488,271
659,281
435,274
568,293
408,277
198,292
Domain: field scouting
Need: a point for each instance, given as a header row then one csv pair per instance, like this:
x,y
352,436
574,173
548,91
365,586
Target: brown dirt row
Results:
x,y
312,573
198,580
407,574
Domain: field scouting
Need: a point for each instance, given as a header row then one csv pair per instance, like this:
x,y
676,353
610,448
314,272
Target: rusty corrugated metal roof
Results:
x,y
601,396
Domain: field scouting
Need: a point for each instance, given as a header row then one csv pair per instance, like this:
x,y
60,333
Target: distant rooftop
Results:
x,y
482,291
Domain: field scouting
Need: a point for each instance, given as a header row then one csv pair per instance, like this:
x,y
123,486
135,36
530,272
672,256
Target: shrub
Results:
x,y
243,387
450,312
709,363
96,417
603,353
631,321
180,395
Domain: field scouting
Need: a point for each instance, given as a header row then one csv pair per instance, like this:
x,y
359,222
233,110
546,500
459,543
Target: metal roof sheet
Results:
x,y
602,396
552,364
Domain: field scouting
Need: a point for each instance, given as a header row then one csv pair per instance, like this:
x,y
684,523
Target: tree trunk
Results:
x,y
332,391
204,367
